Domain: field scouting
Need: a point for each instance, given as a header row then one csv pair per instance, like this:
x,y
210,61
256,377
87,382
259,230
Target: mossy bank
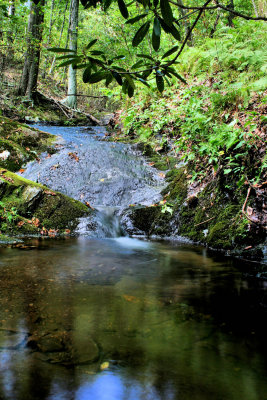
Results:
x,y
221,217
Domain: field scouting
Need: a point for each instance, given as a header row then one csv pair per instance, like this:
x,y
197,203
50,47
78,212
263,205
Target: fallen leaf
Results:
x,y
49,193
102,180
20,223
104,365
74,156
89,205
249,211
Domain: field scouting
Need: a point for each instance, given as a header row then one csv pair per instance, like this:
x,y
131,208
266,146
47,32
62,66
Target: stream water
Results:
x,y
118,318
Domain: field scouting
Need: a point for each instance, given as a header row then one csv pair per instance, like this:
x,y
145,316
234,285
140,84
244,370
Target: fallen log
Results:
x,y
66,110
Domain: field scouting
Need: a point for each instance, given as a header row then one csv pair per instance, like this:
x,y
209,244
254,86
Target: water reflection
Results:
x,y
167,321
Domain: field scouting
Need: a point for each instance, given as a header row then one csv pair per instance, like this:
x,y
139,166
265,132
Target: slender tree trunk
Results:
x,y
49,35
60,37
255,8
71,101
231,15
28,83
186,23
213,30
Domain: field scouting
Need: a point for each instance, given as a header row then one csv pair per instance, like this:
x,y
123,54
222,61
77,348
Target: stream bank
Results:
x,y
208,214
150,196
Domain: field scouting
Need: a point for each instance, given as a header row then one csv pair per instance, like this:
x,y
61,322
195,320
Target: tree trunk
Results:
x,y
28,83
185,23
52,20
71,101
255,8
60,37
231,15
213,30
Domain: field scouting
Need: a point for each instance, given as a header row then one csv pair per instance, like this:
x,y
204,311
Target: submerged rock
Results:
x,y
65,347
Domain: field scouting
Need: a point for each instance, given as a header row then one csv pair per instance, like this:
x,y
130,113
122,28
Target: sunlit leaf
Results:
x,y
160,83
140,34
135,19
90,44
166,12
123,9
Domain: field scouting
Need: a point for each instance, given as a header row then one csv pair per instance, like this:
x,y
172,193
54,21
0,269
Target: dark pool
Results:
x,y
125,319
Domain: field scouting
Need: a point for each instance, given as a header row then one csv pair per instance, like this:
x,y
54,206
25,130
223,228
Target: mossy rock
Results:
x,y
20,144
30,208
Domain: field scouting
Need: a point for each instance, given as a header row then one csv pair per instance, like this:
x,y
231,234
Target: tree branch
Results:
x,y
221,6
189,32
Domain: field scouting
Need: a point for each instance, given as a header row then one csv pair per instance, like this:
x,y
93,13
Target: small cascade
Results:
x,y
104,224
109,176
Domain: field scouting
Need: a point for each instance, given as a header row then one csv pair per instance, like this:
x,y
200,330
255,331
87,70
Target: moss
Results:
x,y
36,207
177,187
143,218
22,142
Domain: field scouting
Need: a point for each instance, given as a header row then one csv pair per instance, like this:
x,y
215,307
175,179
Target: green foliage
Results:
x,y
8,215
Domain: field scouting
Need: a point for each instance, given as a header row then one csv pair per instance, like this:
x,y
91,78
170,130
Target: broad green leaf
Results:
x,y
160,83
97,77
137,64
123,9
156,27
145,56
120,57
117,77
130,81
130,91
166,12
87,74
135,19
80,66
146,73
178,76
175,33
155,41
170,52
97,52
140,34
125,86
60,50
107,4
90,44
170,29
156,34
109,79
69,62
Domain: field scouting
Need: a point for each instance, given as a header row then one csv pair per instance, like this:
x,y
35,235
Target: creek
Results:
x,y
103,316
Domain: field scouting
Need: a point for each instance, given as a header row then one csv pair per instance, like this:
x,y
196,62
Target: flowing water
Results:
x,y
120,318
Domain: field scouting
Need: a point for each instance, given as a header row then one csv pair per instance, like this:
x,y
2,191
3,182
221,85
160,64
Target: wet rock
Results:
x,y
11,340
31,195
139,220
51,343
62,347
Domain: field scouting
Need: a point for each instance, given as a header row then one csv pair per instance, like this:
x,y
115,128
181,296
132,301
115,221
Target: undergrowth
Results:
x,y
217,122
